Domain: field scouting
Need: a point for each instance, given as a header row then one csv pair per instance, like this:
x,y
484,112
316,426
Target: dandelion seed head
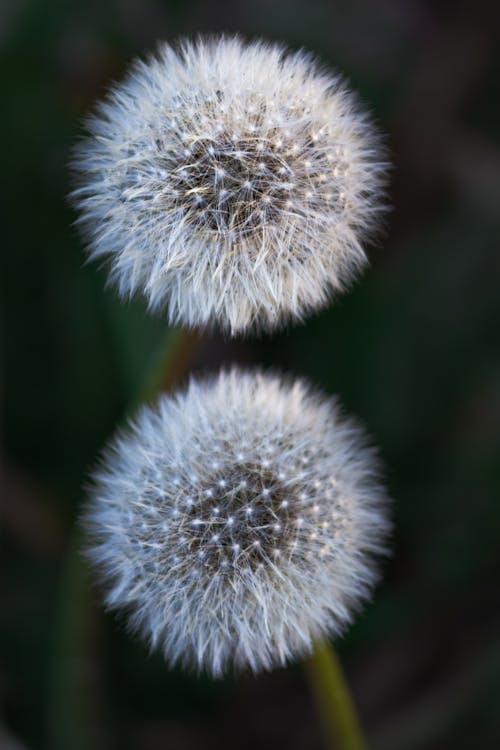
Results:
x,y
231,183
266,557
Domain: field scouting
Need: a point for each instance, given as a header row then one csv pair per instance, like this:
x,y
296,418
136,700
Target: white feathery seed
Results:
x,y
237,521
231,183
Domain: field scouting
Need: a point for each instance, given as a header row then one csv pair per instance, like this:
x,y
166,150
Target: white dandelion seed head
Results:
x,y
237,521
231,183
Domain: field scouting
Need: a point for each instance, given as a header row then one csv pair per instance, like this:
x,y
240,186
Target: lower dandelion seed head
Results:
x,y
230,183
243,564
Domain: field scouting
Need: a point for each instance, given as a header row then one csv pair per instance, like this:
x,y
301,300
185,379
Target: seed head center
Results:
x,y
242,519
233,184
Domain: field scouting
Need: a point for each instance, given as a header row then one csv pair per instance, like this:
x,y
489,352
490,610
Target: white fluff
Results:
x,y
230,183
237,521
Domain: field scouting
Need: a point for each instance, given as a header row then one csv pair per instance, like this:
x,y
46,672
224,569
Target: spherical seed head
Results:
x,y
230,183
237,521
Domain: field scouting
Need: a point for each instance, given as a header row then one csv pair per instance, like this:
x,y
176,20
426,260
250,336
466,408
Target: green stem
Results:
x,y
333,699
69,688
171,364
72,714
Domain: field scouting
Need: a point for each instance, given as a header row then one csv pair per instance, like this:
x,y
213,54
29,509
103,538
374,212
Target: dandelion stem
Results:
x,y
68,723
172,363
333,699
71,699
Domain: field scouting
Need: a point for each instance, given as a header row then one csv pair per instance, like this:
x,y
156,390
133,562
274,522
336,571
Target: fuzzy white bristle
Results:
x,y
237,521
230,183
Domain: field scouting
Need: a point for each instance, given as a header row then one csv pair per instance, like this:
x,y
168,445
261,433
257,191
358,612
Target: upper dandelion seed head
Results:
x,y
238,521
231,183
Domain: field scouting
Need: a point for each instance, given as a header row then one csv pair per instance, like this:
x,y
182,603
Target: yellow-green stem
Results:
x,y
333,699
172,363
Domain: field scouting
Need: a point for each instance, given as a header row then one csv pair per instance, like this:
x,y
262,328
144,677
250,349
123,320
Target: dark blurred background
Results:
x,y
413,350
